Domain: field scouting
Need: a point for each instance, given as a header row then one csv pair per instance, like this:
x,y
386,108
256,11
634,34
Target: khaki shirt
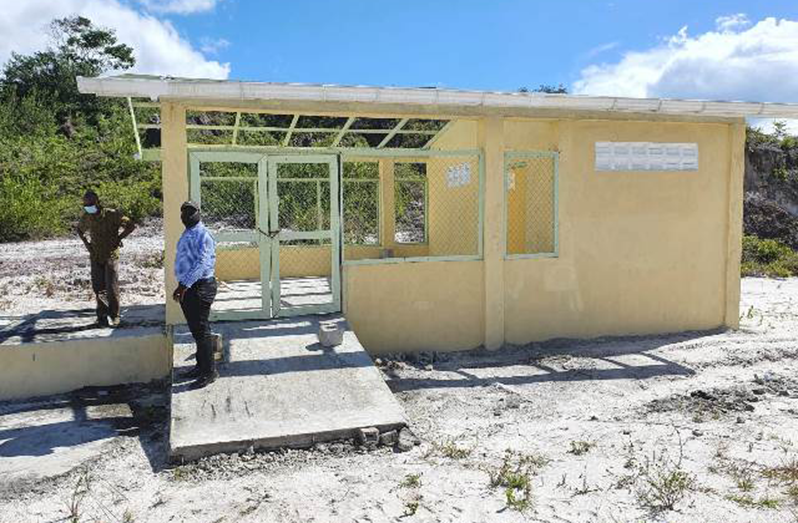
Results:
x,y
103,228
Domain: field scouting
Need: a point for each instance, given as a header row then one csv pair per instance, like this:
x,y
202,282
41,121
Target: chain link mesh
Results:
x,y
412,207
229,200
530,201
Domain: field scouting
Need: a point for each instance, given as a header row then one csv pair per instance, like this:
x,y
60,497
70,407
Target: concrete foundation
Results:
x,y
280,388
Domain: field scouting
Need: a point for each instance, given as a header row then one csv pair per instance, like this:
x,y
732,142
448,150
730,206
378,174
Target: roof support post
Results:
x,y
491,139
135,125
735,223
387,204
174,171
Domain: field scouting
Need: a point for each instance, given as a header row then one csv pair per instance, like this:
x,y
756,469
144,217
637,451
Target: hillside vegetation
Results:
x,y
55,143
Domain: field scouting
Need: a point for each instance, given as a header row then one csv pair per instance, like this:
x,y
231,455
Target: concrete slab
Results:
x,y
279,389
49,326
246,295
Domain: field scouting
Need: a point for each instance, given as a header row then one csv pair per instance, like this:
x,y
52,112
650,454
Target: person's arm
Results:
x,y
81,229
127,227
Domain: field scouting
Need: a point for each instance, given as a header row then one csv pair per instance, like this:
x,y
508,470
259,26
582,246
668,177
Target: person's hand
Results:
x,y
178,294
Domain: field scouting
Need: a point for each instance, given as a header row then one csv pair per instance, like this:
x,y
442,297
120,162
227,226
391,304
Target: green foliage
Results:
x,y
768,258
55,143
78,48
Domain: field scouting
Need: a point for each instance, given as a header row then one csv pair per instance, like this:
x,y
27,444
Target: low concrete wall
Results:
x,y
54,367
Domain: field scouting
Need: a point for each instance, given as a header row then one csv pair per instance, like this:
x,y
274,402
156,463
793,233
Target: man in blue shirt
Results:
x,y
196,290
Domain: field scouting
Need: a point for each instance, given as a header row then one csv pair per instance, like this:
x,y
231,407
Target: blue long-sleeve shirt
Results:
x,y
196,255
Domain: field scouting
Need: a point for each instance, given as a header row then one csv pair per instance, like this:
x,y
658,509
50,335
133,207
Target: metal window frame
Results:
x,y
426,154
509,157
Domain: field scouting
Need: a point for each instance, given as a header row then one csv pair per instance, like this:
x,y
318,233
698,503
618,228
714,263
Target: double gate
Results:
x,y
277,224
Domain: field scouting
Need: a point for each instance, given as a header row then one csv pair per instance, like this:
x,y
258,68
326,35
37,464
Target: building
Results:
x,y
444,220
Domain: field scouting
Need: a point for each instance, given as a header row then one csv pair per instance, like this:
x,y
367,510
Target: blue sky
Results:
x,y
728,50
499,44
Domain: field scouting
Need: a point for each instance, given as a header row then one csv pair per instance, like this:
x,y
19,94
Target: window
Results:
x,y
410,202
531,204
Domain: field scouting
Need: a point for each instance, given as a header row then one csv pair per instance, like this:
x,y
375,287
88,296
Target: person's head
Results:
x,y
91,202
189,214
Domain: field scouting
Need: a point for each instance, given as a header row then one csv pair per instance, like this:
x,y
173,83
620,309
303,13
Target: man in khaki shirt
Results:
x,y
102,226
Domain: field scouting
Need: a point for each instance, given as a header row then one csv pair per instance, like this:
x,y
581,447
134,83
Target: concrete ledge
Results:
x,y
39,369
60,351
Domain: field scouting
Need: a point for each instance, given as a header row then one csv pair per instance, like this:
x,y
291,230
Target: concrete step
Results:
x,y
280,388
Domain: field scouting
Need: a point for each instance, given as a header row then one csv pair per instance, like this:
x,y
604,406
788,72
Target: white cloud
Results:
x,y
600,49
159,48
213,45
182,7
732,23
733,62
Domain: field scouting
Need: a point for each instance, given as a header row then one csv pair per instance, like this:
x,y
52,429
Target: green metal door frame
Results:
x,y
333,233
267,234
255,236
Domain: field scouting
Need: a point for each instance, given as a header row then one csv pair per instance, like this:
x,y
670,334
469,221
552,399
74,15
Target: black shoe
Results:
x,y
205,380
102,322
191,374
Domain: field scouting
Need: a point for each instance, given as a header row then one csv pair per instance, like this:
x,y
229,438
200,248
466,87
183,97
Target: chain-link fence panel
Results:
x,y
454,213
531,191
412,207
410,202
361,203
229,201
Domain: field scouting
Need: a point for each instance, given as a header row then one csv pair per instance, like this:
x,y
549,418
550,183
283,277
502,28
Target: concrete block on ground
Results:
x,y
407,440
369,436
390,438
330,334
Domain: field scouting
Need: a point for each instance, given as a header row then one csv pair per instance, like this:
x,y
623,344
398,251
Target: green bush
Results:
x,y
768,258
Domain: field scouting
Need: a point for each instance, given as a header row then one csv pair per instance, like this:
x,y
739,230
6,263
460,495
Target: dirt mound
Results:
x,y
716,402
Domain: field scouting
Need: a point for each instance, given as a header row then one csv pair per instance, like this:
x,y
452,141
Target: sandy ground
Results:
x,y
55,274
694,427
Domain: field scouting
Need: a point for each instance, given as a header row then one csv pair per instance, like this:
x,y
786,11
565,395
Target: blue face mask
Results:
x,y
91,209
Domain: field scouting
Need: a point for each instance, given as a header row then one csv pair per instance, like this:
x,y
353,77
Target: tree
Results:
x,y
546,88
78,48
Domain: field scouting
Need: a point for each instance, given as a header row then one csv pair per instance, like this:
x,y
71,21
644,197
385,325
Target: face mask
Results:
x,y
91,209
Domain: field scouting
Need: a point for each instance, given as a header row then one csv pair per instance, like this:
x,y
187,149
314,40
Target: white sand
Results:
x,y
627,398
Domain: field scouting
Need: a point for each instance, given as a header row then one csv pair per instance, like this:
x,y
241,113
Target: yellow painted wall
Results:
x,y
406,307
39,369
640,252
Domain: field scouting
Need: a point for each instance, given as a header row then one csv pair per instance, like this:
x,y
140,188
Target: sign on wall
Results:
x,y
458,175
646,156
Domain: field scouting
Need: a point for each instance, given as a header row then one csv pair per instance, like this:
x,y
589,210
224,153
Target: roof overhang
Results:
x,y
204,91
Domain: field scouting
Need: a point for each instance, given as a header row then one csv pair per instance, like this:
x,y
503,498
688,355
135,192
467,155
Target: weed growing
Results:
x,y
515,476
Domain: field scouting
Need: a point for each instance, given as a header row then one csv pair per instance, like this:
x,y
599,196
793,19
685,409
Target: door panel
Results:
x,y
232,193
305,222
276,222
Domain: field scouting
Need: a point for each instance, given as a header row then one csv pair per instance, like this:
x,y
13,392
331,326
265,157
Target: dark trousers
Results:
x,y
105,283
196,306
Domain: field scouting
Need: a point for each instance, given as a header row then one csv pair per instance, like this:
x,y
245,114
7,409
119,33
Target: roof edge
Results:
x,y
156,88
